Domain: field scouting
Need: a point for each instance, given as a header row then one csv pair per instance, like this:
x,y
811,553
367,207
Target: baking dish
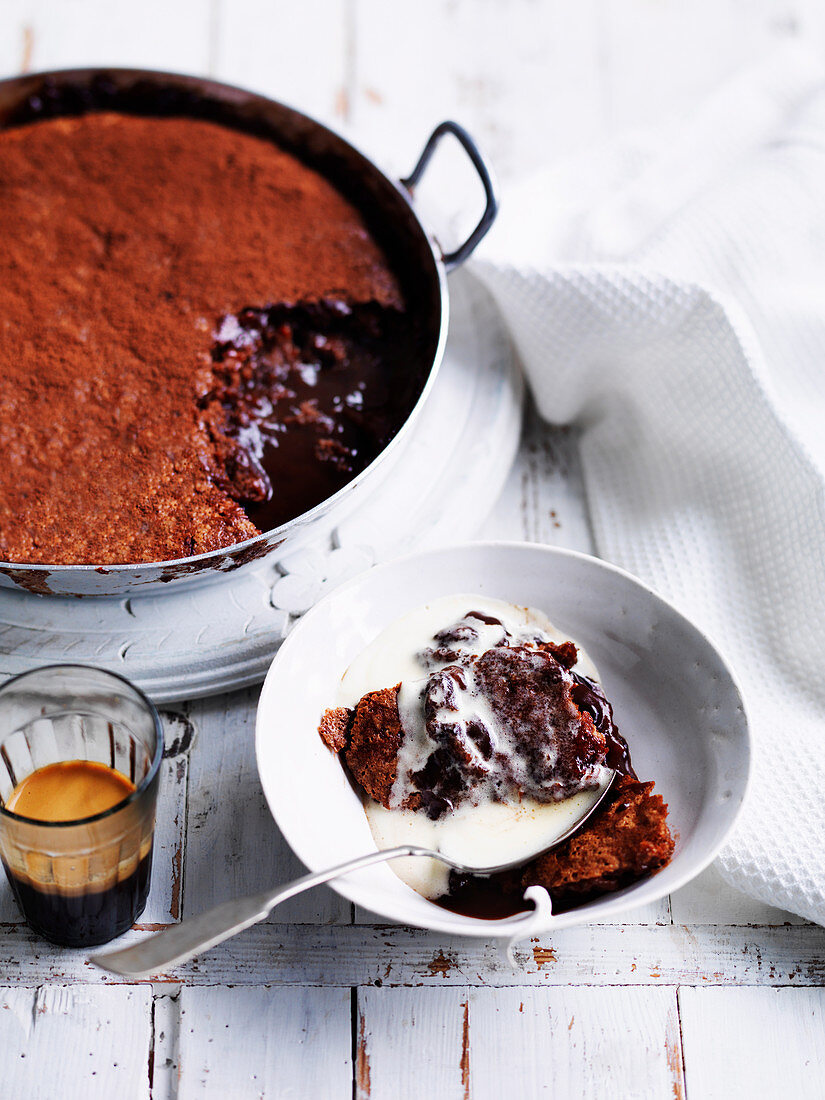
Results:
x,y
387,205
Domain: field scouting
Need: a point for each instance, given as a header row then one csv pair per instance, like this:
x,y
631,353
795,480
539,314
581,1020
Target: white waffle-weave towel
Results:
x,y
668,296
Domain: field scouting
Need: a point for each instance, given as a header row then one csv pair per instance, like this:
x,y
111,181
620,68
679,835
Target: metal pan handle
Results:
x,y
460,254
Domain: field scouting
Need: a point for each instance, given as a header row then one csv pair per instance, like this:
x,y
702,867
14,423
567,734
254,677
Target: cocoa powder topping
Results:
x,y
126,242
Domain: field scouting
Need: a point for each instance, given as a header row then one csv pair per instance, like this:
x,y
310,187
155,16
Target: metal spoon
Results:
x,y
182,941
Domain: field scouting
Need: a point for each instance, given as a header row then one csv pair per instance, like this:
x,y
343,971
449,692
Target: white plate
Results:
x,y
675,700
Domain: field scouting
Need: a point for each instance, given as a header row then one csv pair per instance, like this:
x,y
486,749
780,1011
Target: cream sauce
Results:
x,y
478,835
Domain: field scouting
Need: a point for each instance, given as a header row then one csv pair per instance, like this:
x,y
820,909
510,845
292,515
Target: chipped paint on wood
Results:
x,y
440,964
179,733
357,955
543,955
465,1050
673,1050
417,1041
362,1061
177,882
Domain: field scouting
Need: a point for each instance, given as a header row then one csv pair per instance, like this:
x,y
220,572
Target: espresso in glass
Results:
x,y
80,751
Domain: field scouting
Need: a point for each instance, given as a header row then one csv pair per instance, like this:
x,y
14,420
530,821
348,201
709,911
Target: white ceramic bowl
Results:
x,y
675,700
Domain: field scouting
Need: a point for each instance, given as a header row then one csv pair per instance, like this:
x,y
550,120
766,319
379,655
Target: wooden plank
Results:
x,y
75,1041
233,846
348,955
254,1042
710,900
544,499
753,1042
166,894
49,34
575,1042
411,1043
297,53
555,1042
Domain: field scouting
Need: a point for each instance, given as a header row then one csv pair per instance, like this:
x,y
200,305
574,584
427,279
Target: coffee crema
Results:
x,y
69,791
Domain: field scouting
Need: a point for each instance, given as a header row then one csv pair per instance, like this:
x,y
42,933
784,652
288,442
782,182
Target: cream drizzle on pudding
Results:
x,y
488,790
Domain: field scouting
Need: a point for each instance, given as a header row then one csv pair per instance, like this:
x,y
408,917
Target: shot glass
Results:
x,y
80,882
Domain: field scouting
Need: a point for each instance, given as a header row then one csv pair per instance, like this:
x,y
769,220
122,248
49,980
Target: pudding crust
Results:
x,y
126,243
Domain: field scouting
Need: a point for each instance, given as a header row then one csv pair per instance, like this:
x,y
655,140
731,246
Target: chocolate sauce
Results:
x,y
491,898
83,919
588,696
500,896
305,397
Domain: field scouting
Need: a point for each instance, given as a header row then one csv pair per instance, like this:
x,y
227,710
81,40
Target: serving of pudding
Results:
x,y
202,339
472,727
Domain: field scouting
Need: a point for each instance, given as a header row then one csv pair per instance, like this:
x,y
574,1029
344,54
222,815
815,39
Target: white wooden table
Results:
x,y
707,993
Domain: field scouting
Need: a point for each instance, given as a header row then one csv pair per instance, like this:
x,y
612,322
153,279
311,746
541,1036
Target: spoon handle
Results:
x,y
182,941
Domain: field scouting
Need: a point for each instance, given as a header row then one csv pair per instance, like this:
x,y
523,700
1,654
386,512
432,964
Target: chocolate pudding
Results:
x,y
202,339
494,741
